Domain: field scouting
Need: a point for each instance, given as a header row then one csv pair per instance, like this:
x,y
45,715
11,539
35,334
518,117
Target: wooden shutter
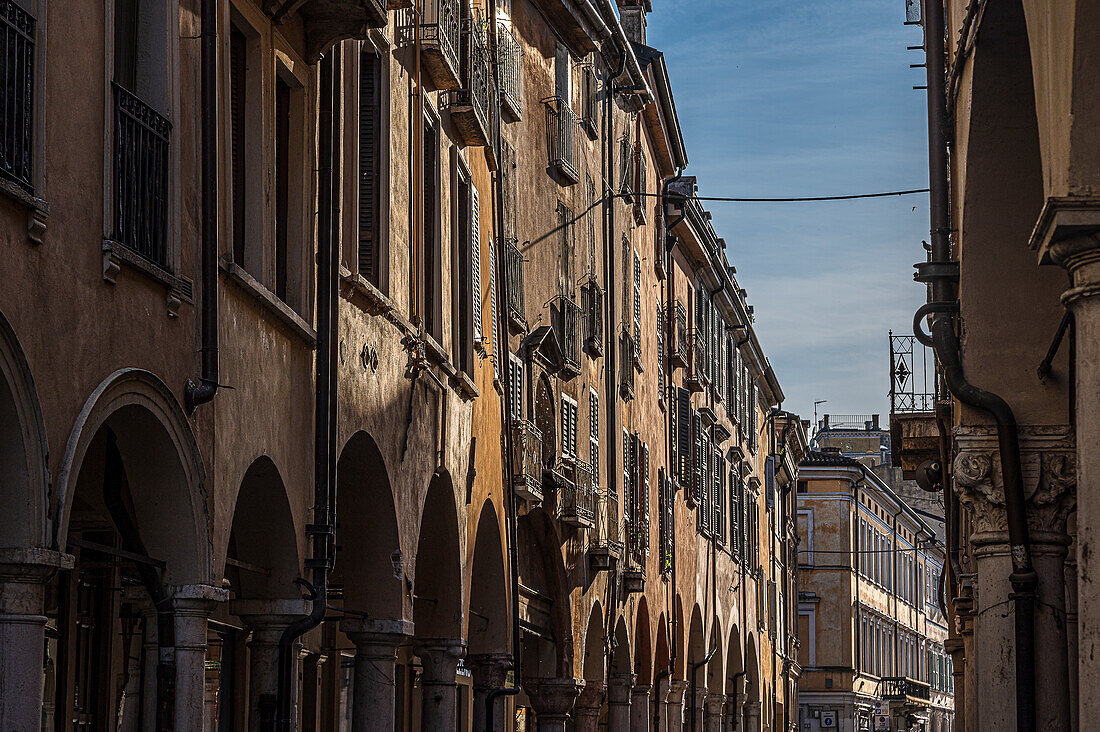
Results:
x,y
643,501
475,263
637,307
626,473
370,138
660,352
697,457
594,435
238,73
493,307
683,435
718,525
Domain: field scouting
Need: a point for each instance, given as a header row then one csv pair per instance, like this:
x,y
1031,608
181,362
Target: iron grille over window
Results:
x,y
626,365
510,54
141,177
592,301
513,270
17,99
569,317
561,131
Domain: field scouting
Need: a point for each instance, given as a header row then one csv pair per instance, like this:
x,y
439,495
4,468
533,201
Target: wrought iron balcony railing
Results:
x,y
592,299
678,349
569,332
441,44
613,538
527,460
696,376
513,271
576,497
626,364
141,177
469,105
17,97
562,136
510,54
902,688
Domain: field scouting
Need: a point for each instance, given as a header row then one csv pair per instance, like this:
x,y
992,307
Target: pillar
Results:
x,y
552,700
674,709
640,718
374,701
752,716
439,659
267,619
191,607
696,721
489,672
714,706
618,702
586,711
23,577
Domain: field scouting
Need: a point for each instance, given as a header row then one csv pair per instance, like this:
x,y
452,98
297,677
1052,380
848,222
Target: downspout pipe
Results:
x,y
321,532
942,273
202,392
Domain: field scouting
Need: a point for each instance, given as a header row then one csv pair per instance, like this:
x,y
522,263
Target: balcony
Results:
x,y
511,73
696,377
903,688
469,105
562,137
577,495
592,299
513,273
141,178
626,365
568,329
678,348
440,42
527,460
17,96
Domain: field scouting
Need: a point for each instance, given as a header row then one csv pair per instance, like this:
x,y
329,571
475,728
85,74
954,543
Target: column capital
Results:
x,y
489,670
553,699
23,577
439,658
590,700
714,704
1067,231
267,619
380,627
618,688
676,690
700,699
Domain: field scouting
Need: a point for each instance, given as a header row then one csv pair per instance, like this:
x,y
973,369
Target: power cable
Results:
x,y
793,199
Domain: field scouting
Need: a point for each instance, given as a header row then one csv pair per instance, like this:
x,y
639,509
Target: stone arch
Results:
x,y
715,668
594,663
24,472
134,412
1002,197
262,559
697,645
752,670
370,564
735,666
488,622
621,659
643,643
661,657
549,652
437,588
678,631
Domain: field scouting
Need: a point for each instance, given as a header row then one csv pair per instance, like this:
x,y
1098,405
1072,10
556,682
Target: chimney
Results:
x,y
874,421
633,16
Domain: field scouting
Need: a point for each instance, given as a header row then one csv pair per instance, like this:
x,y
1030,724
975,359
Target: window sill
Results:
x,y
270,302
37,209
116,254
364,294
464,385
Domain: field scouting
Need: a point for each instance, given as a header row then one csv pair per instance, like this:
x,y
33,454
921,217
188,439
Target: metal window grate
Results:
x,y
17,98
561,130
141,177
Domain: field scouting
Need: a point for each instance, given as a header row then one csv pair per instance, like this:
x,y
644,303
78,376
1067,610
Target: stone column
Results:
x,y
696,721
489,672
752,716
1069,234
552,700
23,577
374,701
586,712
439,658
267,619
674,710
618,702
1049,475
191,607
714,704
640,718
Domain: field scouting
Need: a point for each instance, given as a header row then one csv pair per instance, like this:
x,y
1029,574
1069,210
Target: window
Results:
x,y
637,310
589,94
515,387
566,281
494,325
431,277
17,102
660,355
465,232
683,440
737,495
718,525
594,434
371,115
563,72
568,427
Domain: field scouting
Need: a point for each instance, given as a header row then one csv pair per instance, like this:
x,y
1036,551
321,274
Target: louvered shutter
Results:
x,y
683,436
670,516
626,472
643,502
370,120
660,352
735,511
573,430
718,497
594,435
493,307
237,79
697,457
475,262
637,307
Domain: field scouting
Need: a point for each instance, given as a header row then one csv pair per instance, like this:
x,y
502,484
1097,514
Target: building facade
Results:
x,y
397,379
1010,435
871,624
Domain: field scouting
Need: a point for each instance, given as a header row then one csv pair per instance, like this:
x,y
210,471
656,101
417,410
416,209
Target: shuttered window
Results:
x,y
718,496
370,155
515,387
626,473
683,436
637,308
238,75
660,354
568,428
493,308
697,457
736,490
594,434
643,502
475,266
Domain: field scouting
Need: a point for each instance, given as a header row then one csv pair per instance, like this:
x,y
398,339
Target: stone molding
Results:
x,y
1048,464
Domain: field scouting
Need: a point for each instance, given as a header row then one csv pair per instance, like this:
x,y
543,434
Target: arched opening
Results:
x,y
544,612
661,658
24,478
621,659
678,632
715,672
751,713
489,620
437,589
643,645
595,646
133,515
735,667
262,558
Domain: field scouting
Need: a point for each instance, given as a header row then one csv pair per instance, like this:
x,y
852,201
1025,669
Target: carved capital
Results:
x,y
979,487
1056,495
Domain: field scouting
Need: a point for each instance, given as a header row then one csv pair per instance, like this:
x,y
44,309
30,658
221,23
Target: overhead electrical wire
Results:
x,y
791,199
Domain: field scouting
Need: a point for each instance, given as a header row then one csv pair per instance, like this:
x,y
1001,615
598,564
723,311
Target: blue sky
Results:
x,y
803,98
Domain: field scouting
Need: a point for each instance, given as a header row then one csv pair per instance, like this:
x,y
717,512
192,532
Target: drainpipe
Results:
x,y
204,391
942,273
322,531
